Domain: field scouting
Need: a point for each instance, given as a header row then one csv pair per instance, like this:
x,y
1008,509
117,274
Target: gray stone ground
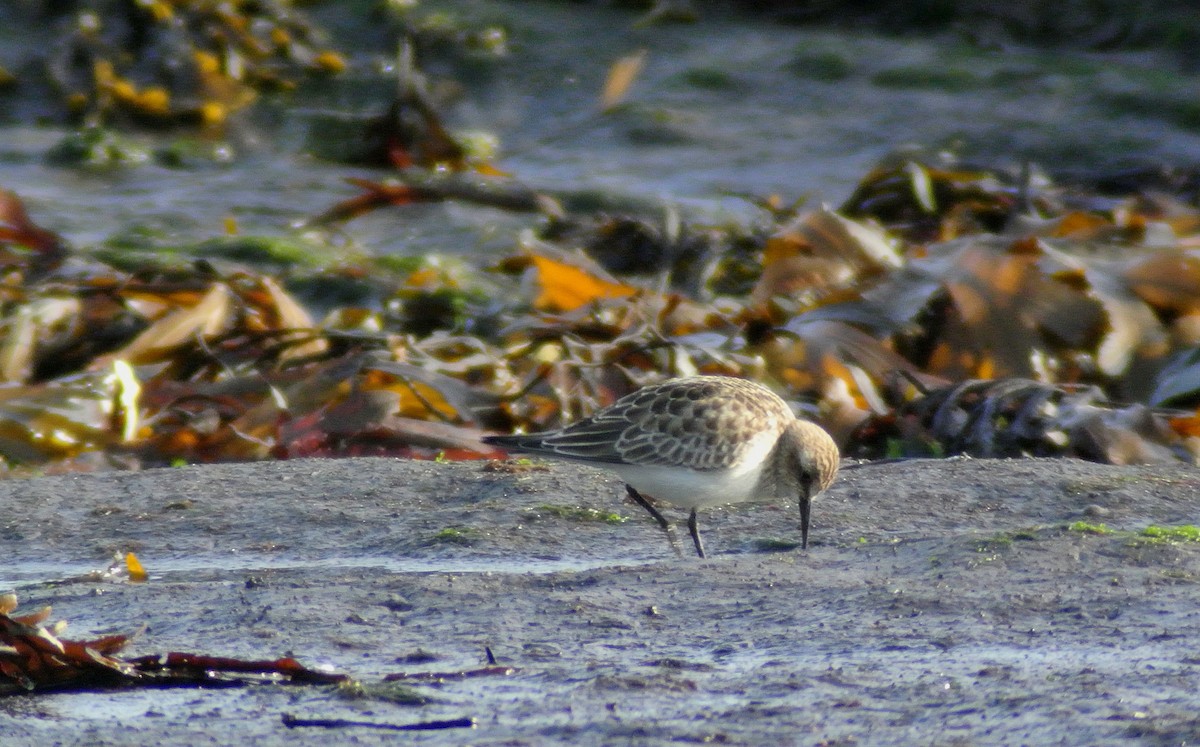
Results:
x,y
940,603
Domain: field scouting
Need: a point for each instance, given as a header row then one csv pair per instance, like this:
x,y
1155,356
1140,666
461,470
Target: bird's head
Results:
x,y
812,459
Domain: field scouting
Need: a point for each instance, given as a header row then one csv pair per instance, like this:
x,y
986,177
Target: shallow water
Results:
x,y
732,105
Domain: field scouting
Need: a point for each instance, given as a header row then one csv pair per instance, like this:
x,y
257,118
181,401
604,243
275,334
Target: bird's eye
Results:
x,y
806,479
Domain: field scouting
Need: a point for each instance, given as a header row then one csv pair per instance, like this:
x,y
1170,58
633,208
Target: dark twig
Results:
x,y
292,722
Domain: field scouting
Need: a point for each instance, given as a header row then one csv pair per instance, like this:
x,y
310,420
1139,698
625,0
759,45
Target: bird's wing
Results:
x,y
590,440
613,438
696,423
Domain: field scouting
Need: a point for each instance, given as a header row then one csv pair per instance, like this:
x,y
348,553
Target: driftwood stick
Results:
x,y
292,722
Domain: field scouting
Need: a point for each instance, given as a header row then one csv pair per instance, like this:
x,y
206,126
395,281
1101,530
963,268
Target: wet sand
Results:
x,y
940,602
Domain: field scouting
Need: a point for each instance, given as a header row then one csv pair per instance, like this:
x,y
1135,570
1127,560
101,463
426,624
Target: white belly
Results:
x,y
688,488
697,489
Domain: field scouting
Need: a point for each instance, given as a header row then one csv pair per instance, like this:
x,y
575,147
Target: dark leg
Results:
x,y
696,534
805,510
662,520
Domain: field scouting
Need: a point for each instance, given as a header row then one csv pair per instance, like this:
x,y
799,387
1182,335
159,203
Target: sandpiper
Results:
x,y
695,442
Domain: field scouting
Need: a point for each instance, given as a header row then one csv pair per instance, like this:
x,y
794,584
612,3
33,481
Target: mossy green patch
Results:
x,y
455,536
995,543
1086,527
1151,535
579,513
1181,533
137,249
260,250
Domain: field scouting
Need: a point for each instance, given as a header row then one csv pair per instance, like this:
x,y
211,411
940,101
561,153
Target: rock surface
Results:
x,y
941,602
